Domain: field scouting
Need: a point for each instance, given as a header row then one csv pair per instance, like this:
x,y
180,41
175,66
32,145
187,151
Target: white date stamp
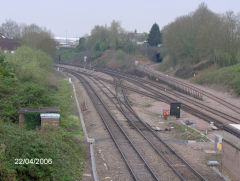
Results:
x,y
34,161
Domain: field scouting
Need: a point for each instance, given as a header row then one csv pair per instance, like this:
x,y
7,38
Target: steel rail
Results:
x,y
207,94
219,100
187,108
131,122
128,106
121,129
121,106
205,107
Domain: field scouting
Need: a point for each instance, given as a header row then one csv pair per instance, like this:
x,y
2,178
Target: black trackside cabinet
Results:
x,y
175,108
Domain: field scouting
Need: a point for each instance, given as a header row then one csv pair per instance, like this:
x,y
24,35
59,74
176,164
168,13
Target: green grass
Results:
x,y
77,132
228,77
116,59
165,64
67,54
64,97
215,157
56,143
187,133
119,89
157,115
148,105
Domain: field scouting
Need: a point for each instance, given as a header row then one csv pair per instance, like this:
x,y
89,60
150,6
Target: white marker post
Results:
x,y
85,60
136,62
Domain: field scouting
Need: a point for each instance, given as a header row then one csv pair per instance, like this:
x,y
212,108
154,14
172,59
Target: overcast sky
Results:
x,y
78,17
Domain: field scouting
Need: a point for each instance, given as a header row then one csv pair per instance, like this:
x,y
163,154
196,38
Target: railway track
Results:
x,y
156,95
137,165
191,110
164,92
172,80
179,166
171,157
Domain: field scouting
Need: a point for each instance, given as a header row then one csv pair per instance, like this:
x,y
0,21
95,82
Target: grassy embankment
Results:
x,y
228,77
26,81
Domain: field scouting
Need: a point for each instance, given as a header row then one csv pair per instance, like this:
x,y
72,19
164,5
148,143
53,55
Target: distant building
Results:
x,y
137,38
8,44
141,42
67,42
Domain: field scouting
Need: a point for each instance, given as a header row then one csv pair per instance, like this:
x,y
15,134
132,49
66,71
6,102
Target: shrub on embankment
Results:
x,y
63,155
228,77
27,80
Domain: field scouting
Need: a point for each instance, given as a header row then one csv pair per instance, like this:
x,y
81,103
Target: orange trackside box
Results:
x,y
166,113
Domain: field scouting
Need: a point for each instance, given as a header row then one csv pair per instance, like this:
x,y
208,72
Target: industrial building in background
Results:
x,y
66,42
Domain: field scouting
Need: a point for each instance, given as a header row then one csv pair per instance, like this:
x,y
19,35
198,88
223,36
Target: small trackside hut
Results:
x,y
45,116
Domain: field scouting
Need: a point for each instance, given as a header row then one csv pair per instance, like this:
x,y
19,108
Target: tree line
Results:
x,y
202,35
116,39
30,35
107,37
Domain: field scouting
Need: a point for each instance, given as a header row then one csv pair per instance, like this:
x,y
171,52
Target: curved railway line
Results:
x,y
166,93
137,165
171,80
133,152
179,166
156,94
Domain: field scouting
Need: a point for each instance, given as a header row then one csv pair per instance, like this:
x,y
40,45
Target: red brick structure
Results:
x,y
49,119
21,118
50,115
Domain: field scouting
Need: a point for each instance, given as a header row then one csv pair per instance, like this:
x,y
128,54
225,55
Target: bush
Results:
x,y
30,65
53,143
227,76
185,72
120,54
15,95
3,66
66,54
30,86
235,83
32,120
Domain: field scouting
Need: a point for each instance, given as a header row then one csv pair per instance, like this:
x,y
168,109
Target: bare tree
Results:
x,y
10,29
38,38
